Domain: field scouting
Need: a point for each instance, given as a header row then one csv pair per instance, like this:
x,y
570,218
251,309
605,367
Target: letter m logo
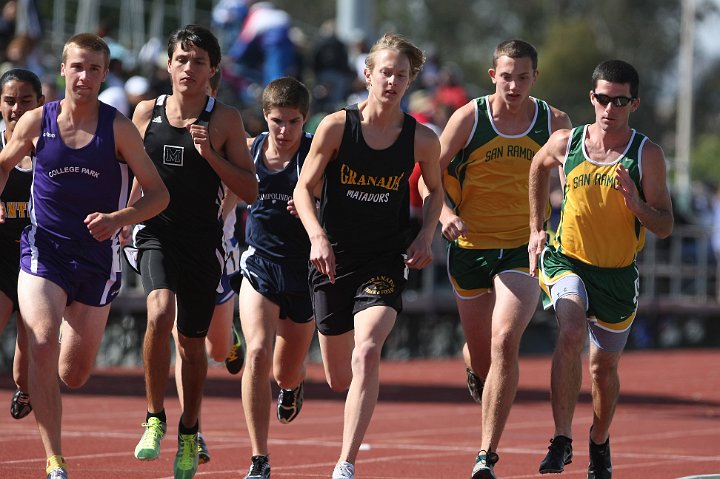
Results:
x,y
173,155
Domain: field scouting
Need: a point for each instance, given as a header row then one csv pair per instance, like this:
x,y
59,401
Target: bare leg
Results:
x,y
372,327
259,318
516,300
43,303
566,373
476,318
193,373
291,347
156,347
605,391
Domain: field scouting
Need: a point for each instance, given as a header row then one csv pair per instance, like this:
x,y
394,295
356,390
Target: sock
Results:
x,y
160,415
53,462
182,429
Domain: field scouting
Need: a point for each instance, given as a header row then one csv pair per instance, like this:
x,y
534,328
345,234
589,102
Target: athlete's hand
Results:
x,y
291,208
626,186
419,254
201,139
452,227
536,244
101,226
125,233
322,256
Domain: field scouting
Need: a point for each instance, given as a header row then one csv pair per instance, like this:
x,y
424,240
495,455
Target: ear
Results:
x,y
491,72
634,105
62,69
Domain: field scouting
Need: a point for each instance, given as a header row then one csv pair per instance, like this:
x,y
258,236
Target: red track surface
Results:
x,y
425,426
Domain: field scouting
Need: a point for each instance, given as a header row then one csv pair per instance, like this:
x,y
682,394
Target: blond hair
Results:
x,y
90,42
399,43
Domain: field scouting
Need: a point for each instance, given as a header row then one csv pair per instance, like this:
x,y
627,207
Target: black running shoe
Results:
x,y
259,469
559,455
600,466
235,359
290,403
20,405
475,385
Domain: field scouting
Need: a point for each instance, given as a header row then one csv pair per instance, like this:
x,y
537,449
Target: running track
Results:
x,y
425,426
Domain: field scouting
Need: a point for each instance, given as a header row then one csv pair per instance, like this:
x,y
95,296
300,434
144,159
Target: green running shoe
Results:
x,y
148,449
186,459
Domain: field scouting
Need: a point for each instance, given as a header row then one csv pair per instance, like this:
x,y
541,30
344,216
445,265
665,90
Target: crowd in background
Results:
x,y
260,43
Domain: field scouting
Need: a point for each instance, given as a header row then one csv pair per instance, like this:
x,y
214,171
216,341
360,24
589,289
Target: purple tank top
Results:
x,y
71,183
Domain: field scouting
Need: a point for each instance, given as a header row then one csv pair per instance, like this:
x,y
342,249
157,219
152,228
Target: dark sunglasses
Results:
x,y
618,101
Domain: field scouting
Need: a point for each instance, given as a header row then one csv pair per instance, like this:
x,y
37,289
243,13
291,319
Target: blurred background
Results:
x,y
674,44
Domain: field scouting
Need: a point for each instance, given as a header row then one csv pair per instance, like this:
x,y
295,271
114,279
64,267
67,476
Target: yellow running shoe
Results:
x,y
236,357
186,459
148,449
56,467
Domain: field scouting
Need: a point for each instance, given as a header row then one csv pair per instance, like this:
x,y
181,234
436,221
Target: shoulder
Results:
x,y
224,112
559,119
559,139
332,124
425,136
144,109
652,150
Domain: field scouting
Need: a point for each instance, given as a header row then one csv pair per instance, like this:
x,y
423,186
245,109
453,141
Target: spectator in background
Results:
x,y
227,20
263,50
450,90
7,26
113,92
20,53
330,66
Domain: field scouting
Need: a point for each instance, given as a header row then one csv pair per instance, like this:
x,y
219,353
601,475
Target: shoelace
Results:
x,y
152,432
258,463
288,399
347,470
23,398
188,449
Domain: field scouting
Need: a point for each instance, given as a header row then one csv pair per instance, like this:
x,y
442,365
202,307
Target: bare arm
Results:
x,y
236,169
551,155
21,145
427,152
453,138
155,197
323,149
655,213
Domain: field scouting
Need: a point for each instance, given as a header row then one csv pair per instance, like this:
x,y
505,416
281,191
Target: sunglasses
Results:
x,y
618,101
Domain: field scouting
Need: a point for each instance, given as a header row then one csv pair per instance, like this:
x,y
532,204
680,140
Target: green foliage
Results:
x,y
704,161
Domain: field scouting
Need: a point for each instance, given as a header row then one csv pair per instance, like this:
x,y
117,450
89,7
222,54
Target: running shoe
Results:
x,y
236,357
600,466
290,403
259,468
148,448
20,405
559,455
475,385
203,453
56,468
344,470
57,473
484,465
186,459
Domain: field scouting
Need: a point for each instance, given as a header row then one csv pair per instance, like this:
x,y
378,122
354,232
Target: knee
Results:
x,y
505,345
603,376
366,358
258,357
216,352
572,334
193,353
74,377
339,382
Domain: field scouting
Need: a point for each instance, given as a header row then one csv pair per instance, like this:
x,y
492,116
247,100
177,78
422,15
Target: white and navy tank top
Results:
x,y
270,229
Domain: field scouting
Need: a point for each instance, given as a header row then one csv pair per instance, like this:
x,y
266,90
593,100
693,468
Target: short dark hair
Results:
x,y
26,76
198,36
516,49
286,92
617,71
